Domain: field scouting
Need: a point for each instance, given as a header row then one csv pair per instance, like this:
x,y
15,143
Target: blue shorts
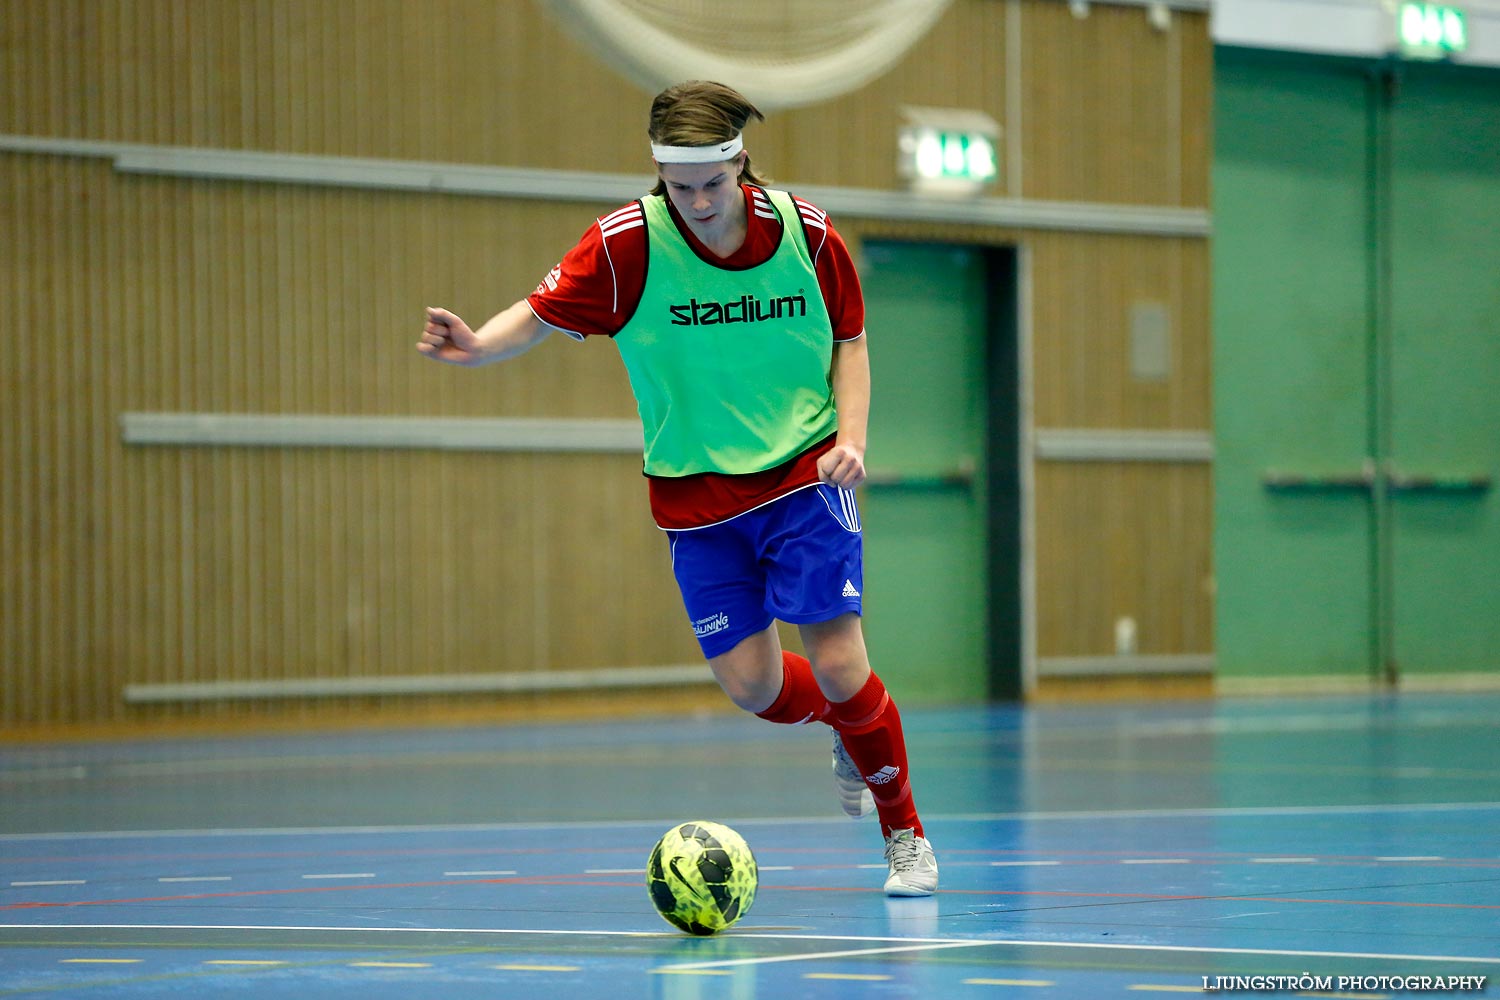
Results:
x,y
799,559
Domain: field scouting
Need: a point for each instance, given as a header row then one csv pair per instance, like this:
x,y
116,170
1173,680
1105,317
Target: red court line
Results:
x,y
1325,861
1081,858
521,880
1154,897
255,855
1151,897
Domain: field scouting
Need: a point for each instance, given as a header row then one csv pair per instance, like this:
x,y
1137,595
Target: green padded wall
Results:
x,y
1356,316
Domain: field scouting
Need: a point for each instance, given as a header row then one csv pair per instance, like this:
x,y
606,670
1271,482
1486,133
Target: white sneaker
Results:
x,y
854,794
914,869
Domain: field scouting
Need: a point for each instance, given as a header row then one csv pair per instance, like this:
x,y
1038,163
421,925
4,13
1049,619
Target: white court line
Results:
x,y
852,953
1265,724
29,776
416,828
344,875
652,824
53,881
858,939
1181,949
466,874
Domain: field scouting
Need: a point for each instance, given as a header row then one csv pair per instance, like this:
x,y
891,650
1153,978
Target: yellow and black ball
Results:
x,y
702,877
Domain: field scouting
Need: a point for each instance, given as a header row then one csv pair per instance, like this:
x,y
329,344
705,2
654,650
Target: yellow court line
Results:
x,y
244,961
1009,982
101,961
846,975
1158,988
391,965
536,968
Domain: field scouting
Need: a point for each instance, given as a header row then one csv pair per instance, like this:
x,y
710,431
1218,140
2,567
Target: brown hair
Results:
x,y
700,113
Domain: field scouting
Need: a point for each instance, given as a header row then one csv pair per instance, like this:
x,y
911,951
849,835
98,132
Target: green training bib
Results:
x,y
730,368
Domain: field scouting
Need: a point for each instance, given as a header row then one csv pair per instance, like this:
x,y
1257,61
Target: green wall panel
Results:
x,y
1356,213
1446,366
925,589
1291,317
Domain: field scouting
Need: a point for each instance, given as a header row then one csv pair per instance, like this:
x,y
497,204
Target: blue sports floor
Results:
x,y
1087,852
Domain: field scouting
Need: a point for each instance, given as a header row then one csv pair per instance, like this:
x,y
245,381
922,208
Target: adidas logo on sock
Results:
x,y
849,590
884,776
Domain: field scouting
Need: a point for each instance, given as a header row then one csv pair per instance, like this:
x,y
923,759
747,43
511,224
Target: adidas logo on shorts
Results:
x,y
849,590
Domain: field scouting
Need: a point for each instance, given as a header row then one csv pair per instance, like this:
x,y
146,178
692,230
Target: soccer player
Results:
x,y
738,313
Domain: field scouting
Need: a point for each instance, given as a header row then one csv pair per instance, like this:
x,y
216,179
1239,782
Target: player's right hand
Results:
x,y
446,337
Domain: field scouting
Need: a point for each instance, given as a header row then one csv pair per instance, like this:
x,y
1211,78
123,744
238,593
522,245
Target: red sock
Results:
x,y
871,728
800,699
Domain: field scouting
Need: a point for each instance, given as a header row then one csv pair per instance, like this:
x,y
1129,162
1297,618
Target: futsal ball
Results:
x,y
702,877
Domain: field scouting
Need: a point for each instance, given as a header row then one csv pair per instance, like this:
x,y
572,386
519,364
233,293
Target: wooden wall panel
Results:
x,y
137,293
851,140
1117,539
1111,109
1116,110
1195,134
1084,287
470,81
145,565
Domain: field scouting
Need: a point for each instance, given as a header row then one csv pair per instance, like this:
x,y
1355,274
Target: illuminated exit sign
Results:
x,y
1430,31
947,150
938,155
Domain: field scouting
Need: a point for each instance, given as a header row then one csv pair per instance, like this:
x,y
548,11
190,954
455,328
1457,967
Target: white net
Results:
x,y
778,53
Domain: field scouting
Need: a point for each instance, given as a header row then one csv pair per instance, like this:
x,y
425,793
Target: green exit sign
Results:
x,y
1431,31
957,155
948,151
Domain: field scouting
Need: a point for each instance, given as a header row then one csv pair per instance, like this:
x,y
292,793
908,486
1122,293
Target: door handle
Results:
x,y
1364,479
1401,482
959,477
1318,482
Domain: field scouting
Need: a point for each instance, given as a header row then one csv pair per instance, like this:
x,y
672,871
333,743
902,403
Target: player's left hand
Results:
x,y
842,466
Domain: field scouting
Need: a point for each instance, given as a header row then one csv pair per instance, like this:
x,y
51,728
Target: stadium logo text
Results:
x,y
745,309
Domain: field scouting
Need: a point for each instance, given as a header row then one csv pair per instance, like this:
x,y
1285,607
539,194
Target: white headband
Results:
x,y
699,154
